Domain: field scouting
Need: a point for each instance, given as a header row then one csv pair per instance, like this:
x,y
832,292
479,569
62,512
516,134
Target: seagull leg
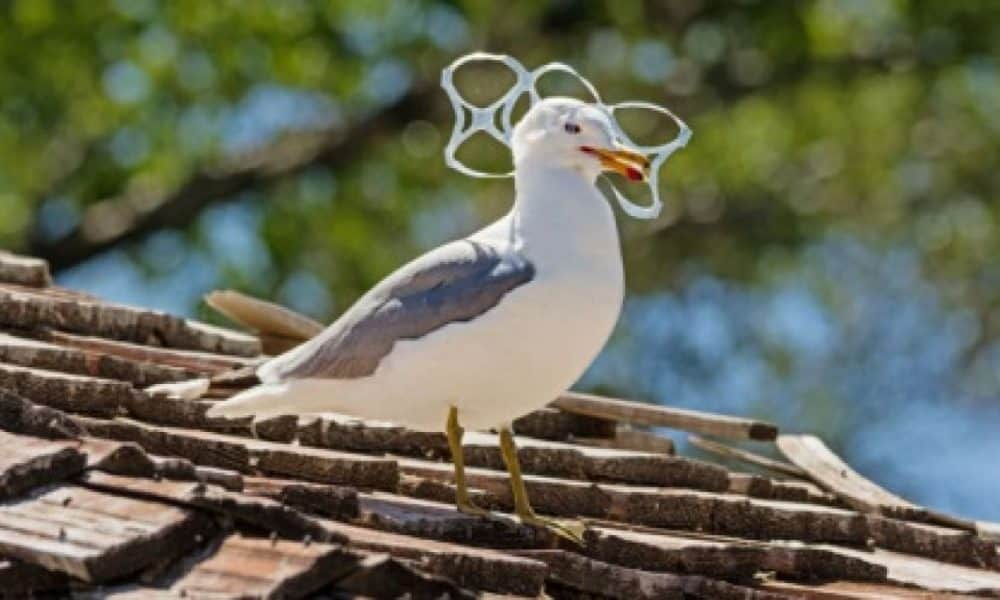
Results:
x,y
462,500
570,530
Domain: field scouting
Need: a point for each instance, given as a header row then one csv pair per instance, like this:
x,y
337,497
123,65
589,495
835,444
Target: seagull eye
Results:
x,y
572,128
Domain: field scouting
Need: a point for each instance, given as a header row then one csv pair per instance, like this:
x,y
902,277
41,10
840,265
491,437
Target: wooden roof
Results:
x,y
108,490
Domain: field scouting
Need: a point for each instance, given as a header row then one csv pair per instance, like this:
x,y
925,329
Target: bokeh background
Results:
x,y
827,257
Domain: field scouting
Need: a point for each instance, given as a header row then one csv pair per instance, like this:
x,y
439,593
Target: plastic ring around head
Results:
x,y
483,119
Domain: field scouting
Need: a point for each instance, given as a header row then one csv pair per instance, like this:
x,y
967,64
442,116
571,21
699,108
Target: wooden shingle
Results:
x,y
28,309
24,270
29,462
261,568
95,536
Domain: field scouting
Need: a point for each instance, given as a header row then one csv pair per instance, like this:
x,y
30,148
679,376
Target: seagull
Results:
x,y
482,330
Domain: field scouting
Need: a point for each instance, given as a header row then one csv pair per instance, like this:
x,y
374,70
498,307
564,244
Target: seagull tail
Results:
x,y
267,400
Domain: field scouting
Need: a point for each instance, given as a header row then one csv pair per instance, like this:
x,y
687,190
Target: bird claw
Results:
x,y
467,507
568,529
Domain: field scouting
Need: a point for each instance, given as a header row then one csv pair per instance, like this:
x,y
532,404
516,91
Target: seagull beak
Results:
x,y
620,160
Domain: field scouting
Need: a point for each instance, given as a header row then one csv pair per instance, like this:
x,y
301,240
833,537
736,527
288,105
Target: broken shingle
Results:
x,y
197,362
333,501
345,433
71,393
555,424
96,536
43,355
24,309
24,270
382,576
442,521
614,581
179,412
640,413
259,568
264,513
723,557
27,463
20,415
252,456
473,568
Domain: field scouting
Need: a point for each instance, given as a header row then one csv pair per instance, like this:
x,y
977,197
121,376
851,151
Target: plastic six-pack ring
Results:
x,y
483,118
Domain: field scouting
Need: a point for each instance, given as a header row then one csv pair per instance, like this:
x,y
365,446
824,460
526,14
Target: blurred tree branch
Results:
x,y
133,214
136,213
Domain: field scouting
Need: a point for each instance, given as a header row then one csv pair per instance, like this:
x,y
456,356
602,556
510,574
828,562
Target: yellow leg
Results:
x,y
571,530
462,500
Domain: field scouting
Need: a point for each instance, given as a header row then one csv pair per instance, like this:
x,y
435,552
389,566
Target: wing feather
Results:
x,y
453,283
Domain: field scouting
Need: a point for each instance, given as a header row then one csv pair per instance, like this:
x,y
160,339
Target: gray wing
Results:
x,y
454,283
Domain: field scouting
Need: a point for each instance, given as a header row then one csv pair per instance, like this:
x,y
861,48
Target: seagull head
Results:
x,y
565,132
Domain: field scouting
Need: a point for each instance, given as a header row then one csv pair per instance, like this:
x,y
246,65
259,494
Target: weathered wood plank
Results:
x,y
748,457
263,316
260,512
94,536
474,568
261,568
70,393
663,416
941,543
24,270
269,515
537,456
827,469
725,558
724,514
28,462
20,415
278,328
815,459
442,521
346,433
43,355
559,459
129,459
909,570
850,590
23,580
179,412
423,488
632,439
793,490
670,508
203,363
559,425
382,576
596,577
338,502
24,309
251,456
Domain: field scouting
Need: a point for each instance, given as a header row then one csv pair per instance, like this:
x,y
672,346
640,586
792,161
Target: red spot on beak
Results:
x,y
634,174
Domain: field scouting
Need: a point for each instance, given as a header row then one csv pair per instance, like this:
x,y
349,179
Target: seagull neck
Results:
x,y
559,210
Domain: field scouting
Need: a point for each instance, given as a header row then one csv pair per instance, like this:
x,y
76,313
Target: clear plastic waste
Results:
x,y
471,119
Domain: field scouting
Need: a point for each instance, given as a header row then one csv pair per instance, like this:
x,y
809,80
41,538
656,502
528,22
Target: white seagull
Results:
x,y
485,329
